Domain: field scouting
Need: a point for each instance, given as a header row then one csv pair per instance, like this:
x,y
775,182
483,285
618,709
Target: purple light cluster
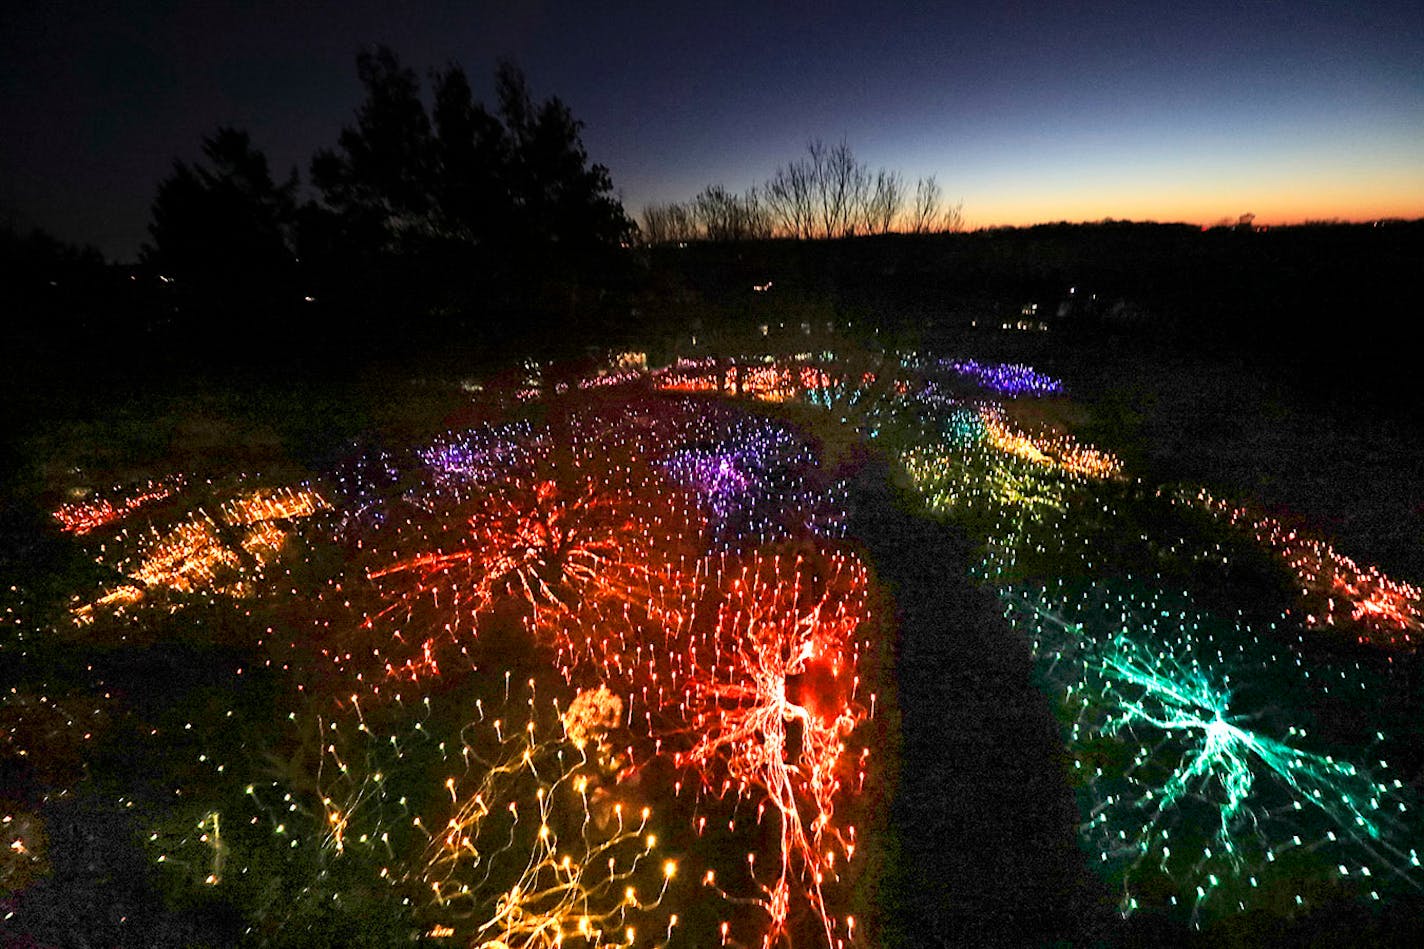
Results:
x,y
1009,379
756,481
933,395
481,454
722,477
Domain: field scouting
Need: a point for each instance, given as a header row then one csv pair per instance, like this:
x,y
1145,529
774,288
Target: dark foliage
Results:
x,y
224,235
459,215
455,228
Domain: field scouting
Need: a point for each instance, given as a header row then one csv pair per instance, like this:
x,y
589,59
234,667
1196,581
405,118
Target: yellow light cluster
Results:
x,y
23,851
1052,449
568,870
207,555
267,505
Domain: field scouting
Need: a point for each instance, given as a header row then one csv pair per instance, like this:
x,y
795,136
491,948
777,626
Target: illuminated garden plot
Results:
x,y
1006,379
222,555
81,517
766,715
509,830
1381,611
1199,789
755,479
629,628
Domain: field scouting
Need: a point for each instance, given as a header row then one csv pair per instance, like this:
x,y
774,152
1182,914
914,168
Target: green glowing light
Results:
x,y
1232,795
1218,757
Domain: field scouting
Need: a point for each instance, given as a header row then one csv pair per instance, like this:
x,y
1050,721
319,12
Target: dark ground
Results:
x,y
983,818
983,848
1311,445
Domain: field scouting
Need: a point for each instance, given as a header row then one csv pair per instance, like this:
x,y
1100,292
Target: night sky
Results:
x,y
1029,112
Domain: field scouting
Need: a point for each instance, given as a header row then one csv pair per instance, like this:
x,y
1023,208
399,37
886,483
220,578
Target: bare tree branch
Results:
x,y
826,193
953,218
721,215
789,198
925,211
668,223
884,202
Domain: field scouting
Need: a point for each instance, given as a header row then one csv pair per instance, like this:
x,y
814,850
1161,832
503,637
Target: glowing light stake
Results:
x,y
1062,451
546,544
483,454
854,390
768,383
210,833
827,383
949,480
577,859
191,557
614,379
265,506
81,517
195,848
694,375
582,529
363,483
721,476
1204,755
964,470
529,839
24,847
756,480
1189,795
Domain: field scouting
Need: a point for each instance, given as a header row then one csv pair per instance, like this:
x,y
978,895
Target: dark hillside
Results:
x,y
1336,302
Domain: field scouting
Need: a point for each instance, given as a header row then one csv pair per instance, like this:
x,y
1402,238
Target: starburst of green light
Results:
x,y
1227,795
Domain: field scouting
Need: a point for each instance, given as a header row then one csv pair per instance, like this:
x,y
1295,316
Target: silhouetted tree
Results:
x,y
722,215
561,199
668,223
790,196
883,204
223,234
461,208
952,218
926,207
759,225
831,193
472,154
841,182
379,182
928,214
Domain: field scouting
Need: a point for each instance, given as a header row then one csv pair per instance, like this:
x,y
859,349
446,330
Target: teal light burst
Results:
x,y
1206,799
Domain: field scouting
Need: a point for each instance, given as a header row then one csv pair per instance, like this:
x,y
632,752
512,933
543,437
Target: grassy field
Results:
x,y
971,826
1283,435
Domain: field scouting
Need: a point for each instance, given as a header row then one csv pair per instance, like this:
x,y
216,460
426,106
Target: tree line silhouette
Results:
x,y
826,193
436,227
443,215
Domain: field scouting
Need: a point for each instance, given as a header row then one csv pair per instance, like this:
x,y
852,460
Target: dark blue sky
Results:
x,y
1026,111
